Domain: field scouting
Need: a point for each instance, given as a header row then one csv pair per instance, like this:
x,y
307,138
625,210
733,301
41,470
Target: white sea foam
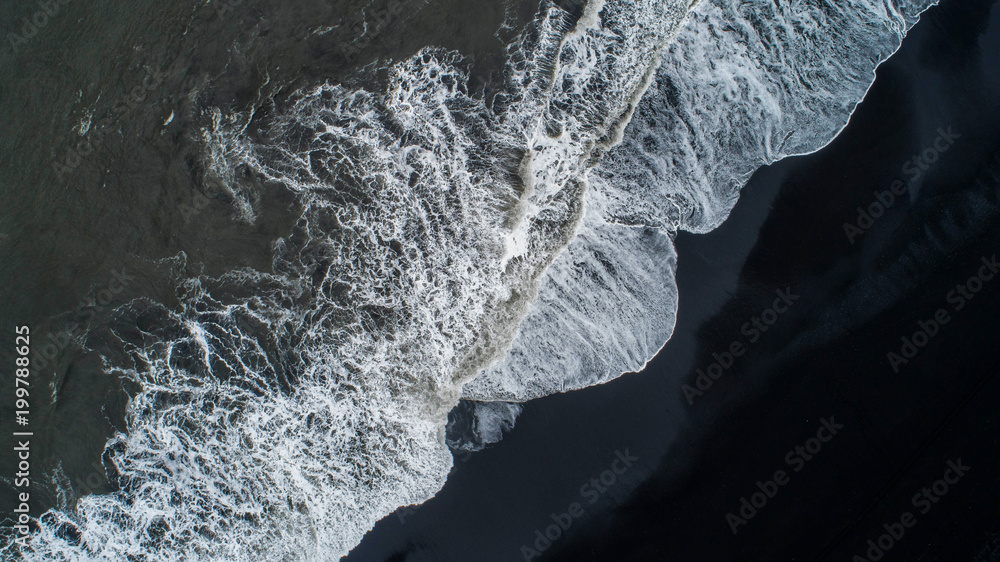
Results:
x,y
281,415
743,84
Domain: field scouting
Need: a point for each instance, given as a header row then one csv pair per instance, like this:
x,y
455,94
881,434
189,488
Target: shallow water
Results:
x,y
269,245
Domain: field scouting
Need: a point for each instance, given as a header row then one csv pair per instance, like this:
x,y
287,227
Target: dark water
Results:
x,y
121,212
826,356
97,215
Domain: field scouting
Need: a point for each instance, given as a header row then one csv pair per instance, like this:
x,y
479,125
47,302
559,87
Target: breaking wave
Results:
x,y
743,84
447,249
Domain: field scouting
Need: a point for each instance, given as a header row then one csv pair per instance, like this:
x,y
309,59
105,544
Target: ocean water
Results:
x,y
329,230
741,86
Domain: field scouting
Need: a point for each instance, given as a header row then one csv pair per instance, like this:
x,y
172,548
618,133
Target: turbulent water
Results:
x,y
448,247
743,85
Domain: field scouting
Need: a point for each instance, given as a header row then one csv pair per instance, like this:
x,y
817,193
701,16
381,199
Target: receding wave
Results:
x,y
447,249
743,84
